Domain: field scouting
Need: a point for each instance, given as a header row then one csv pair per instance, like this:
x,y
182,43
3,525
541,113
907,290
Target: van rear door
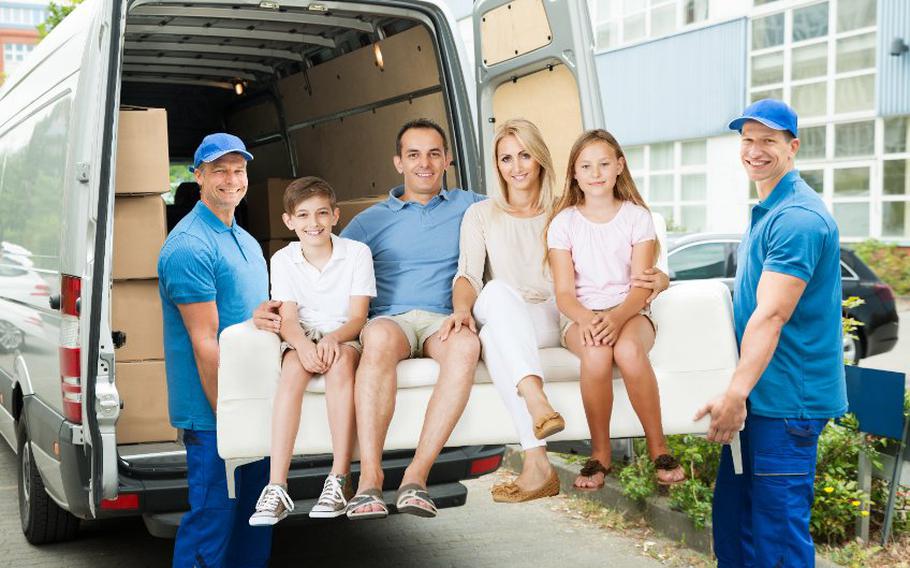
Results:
x,y
535,60
101,403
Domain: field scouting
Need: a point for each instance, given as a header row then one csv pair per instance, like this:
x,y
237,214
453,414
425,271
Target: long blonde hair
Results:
x,y
529,136
624,190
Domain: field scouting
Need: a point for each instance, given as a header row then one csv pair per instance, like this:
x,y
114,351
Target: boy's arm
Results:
x,y
360,306
290,331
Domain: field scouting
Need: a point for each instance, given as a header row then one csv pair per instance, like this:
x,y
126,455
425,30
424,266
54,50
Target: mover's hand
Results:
x,y
455,322
653,279
728,414
328,349
266,316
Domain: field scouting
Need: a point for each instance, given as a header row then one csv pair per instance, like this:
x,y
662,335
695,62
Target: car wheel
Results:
x,y
853,350
11,337
42,520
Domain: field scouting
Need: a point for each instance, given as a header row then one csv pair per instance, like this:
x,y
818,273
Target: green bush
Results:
x,y
638,478
693,497
891,263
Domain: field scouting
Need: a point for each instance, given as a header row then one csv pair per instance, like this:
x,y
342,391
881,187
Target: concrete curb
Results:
x,y
655,511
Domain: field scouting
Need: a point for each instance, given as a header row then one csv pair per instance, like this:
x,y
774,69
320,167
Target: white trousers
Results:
x,y
511,332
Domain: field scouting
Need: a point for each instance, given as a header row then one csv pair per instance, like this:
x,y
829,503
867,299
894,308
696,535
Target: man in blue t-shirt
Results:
x,y
212,275
790,378
414,238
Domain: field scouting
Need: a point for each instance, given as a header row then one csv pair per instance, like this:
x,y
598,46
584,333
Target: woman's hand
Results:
x,y
653,279
328,350
455,322
266,317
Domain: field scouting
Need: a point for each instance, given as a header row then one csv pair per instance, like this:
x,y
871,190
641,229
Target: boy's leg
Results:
x,y
339,398
597,397
784,452
732,510
286,415
250,547
205,531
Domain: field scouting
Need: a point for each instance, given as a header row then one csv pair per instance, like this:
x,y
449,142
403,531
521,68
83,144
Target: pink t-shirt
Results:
x,y
601,252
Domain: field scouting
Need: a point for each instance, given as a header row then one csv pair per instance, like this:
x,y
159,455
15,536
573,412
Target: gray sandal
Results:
x,y
364,498
413,491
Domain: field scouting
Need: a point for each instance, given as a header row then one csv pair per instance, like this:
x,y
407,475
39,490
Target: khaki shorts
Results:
x,y
417,325
315,335
565,323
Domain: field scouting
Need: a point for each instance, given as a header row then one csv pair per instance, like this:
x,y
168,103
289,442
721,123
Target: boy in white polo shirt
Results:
x,y
325,284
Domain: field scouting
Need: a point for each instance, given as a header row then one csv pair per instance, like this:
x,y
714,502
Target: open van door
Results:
x,y
535,60
100,400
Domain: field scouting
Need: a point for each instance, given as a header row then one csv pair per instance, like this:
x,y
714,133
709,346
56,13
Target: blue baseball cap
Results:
x,y
770,112
216,145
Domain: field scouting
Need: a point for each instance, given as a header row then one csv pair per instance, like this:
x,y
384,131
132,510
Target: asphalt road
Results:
x,y
898,359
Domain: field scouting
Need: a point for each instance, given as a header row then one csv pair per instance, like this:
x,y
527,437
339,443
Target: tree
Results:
x,y
56,13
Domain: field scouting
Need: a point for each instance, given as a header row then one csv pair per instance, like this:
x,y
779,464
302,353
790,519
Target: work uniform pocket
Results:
x,y
782,492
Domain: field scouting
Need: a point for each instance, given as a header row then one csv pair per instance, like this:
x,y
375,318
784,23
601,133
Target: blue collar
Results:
x,y
783,189
212,220
396,204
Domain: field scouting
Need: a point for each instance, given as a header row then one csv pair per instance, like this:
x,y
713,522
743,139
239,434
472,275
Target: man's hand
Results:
x,y
328,350
728,414
266,317
309,358
455,322
653,279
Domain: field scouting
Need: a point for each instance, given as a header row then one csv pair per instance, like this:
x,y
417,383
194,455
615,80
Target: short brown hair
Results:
x,y
422,124
304,188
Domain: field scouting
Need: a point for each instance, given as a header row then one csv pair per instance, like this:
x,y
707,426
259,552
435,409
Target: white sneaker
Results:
x,y
336,491
273,505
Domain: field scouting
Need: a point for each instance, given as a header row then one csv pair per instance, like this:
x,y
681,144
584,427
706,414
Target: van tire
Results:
x,y
43,521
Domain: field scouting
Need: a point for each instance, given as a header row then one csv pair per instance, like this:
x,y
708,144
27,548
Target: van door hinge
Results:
x,y
77,436
82,172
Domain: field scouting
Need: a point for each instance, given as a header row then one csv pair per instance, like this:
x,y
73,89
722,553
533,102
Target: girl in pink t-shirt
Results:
x,y
600,233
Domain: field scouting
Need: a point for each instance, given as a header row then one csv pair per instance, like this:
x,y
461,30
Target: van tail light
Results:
x,y
70,354
485,465
123,502
884,292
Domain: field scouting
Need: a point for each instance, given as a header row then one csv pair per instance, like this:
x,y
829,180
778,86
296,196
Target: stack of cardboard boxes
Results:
x,y
139,231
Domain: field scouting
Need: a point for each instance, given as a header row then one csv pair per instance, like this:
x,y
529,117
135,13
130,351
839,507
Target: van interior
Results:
x,y
311,90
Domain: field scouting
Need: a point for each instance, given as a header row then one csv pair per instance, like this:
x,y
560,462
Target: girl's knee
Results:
x,y
628,352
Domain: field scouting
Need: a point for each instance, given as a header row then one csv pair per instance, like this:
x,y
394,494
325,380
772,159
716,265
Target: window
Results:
x,y
897,134
856,52
695,11
851,182
707,260
617,22
14,54
673,179
21,16
768,31
896,177
810,100
808,62
852,219
768,68
854,139
855,14
814,178
812,143
854,94
810,22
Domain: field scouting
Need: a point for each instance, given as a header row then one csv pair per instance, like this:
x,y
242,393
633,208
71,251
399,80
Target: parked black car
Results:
x,y
712,255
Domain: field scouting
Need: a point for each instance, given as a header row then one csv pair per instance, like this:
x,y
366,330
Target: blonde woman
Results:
x,y
502,282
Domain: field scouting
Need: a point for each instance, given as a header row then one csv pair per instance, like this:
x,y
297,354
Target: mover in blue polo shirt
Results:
x,y
790,377
414,238
211,275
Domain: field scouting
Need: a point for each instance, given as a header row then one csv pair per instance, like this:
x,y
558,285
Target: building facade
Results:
x,y
18,36
673,73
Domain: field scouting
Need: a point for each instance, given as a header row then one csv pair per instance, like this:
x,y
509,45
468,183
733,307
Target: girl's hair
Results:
x,y
529,136
624,190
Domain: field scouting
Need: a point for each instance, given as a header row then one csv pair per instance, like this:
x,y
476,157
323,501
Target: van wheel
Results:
x,y
43,521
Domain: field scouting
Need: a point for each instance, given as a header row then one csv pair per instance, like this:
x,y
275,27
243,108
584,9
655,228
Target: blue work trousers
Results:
x,y
761,518
216,533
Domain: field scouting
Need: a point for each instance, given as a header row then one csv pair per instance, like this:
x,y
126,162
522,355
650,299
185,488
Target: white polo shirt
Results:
x,y
323,297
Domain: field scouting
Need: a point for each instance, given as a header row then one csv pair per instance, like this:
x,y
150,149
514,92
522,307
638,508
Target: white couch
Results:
x,y
694,357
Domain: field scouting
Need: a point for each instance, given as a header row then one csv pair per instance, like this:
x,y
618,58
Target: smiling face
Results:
x,y
222,183
597,168
766,154
423,162
518,169
312,220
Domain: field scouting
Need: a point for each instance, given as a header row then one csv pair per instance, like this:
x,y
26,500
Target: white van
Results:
x,y
314,88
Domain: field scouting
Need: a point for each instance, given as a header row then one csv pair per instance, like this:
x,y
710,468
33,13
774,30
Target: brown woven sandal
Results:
x,y
592,467
550,424
666,462
512,493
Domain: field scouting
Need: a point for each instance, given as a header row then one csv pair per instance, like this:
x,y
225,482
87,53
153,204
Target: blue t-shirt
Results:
x,y
204,260
792,233
415,249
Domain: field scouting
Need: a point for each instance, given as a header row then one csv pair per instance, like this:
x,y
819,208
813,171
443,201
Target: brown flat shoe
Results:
x,y
666,462
592,467
550,424
511,493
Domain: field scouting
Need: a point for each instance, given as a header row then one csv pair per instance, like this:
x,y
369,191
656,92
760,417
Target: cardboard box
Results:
x,y
143,390
139,232
351,207
136,311
270,247
143,164
265,204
